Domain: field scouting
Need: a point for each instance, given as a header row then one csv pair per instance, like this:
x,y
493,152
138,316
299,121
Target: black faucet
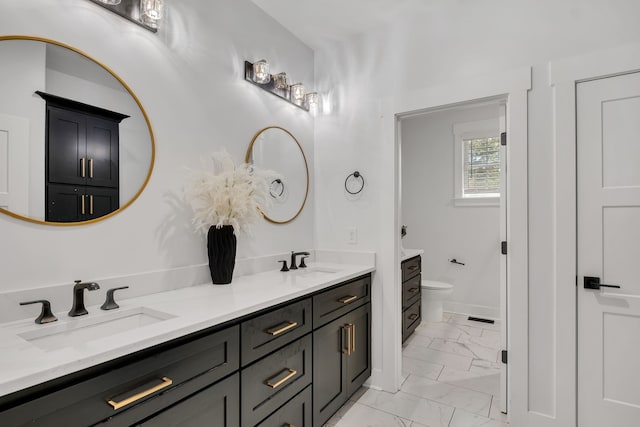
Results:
x,y
293,265
77,309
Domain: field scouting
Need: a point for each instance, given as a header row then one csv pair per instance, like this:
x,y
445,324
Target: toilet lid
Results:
x,y
431,284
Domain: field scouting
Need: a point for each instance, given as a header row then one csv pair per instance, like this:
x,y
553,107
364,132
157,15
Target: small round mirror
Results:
x,y
276,149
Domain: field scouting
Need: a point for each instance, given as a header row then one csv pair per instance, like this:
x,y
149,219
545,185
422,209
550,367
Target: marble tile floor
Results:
x,y
451,378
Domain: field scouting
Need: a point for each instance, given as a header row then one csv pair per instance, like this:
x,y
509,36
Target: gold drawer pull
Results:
x,y
288,425
292,373
83,167
353,338
277,331
412,267
90,168
166,382
414,316
347,300
91,204
413,290
83,210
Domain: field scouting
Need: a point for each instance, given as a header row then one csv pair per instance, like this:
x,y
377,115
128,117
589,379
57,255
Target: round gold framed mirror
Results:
x,y
76,145
275,148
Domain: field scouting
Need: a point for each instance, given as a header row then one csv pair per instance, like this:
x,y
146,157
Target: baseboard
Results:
x,y
472,310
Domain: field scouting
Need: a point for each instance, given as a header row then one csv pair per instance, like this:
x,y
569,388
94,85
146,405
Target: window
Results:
x,y
477,158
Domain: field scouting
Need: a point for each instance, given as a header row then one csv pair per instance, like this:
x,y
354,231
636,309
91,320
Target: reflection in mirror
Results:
x,y
275,148
78,150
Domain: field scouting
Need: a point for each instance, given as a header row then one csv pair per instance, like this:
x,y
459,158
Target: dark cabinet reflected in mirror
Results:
x,y
75,143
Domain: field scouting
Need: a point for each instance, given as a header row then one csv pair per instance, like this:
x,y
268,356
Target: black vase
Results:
x,y
221,246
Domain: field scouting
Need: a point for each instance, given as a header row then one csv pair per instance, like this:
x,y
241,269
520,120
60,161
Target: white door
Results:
x,y
608,150
503,262
14,164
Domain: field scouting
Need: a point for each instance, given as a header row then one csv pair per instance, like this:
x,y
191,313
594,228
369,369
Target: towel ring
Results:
x,y
356,175
276,181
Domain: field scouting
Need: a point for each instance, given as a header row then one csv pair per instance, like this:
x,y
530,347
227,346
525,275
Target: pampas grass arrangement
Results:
x,y
228,194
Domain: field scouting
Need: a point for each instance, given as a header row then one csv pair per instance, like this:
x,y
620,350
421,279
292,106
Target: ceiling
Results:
x,y
317,22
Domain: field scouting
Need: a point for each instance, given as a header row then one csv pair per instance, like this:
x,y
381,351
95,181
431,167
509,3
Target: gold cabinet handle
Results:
x,y
277,331
349,339
90,168
166,382
292,373
91,204
413,290
348,299
82,207
83,167
412,267
353,338
288,425
414,316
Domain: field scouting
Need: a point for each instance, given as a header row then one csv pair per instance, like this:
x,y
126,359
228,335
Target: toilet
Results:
x,y
433,295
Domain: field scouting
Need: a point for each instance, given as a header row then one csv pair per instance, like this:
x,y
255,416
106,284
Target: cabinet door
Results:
x,y
359,358
66,146
215,406
101,201
102,152
329,370
64,203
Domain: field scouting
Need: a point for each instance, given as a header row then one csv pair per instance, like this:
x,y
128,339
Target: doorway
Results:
x,y
453,189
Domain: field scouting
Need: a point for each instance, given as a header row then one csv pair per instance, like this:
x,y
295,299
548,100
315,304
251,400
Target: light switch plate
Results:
x,y
352,235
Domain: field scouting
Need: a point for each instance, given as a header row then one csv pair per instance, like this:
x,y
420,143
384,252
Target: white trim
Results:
x,y
563,77
482,311
479,201
512,85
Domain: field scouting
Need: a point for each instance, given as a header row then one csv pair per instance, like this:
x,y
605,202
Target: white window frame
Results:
x,y
471,130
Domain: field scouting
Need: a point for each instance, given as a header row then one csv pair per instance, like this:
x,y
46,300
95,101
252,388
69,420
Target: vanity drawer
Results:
x,y
411,319
335,302
138,378
269,383
411,290
263,334
296,412
411,267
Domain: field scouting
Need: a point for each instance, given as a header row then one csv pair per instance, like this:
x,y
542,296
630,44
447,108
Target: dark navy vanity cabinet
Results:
x,y
292,364
411,295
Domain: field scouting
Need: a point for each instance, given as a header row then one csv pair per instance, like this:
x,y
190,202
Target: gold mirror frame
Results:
x,y
144,113
247,158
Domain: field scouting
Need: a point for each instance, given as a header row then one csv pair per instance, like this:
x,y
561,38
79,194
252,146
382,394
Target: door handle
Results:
x,y
594,283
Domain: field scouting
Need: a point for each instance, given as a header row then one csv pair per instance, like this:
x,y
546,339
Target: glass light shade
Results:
x,y
297,93
111,2
151,10
281,81
261,72
311,99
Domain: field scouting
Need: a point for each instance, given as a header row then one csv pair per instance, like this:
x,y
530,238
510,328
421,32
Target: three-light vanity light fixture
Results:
x,y
259,74
146,13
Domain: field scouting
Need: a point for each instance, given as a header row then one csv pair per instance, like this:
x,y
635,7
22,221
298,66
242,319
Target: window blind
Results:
x,y
481,166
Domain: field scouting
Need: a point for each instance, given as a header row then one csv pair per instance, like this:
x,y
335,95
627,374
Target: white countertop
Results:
x,y
23,364
405,254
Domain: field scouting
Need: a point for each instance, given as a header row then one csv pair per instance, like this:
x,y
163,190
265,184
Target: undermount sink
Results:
x,y
77,332
316,272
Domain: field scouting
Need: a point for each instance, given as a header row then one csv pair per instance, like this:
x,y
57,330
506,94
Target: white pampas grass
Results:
x,y
228,194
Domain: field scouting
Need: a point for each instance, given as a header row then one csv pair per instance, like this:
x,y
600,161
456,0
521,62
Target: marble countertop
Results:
x,y
405,254
24,364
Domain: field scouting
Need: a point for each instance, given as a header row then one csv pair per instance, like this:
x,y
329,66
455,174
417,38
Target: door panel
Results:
x,y
608,154
359,361
102,152
66,146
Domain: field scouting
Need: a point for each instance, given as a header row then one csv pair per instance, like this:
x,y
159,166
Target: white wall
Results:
x,y
447,42
19,79
470,234
189,78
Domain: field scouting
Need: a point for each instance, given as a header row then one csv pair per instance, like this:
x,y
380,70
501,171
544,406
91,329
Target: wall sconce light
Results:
x,y
146,13
278,84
